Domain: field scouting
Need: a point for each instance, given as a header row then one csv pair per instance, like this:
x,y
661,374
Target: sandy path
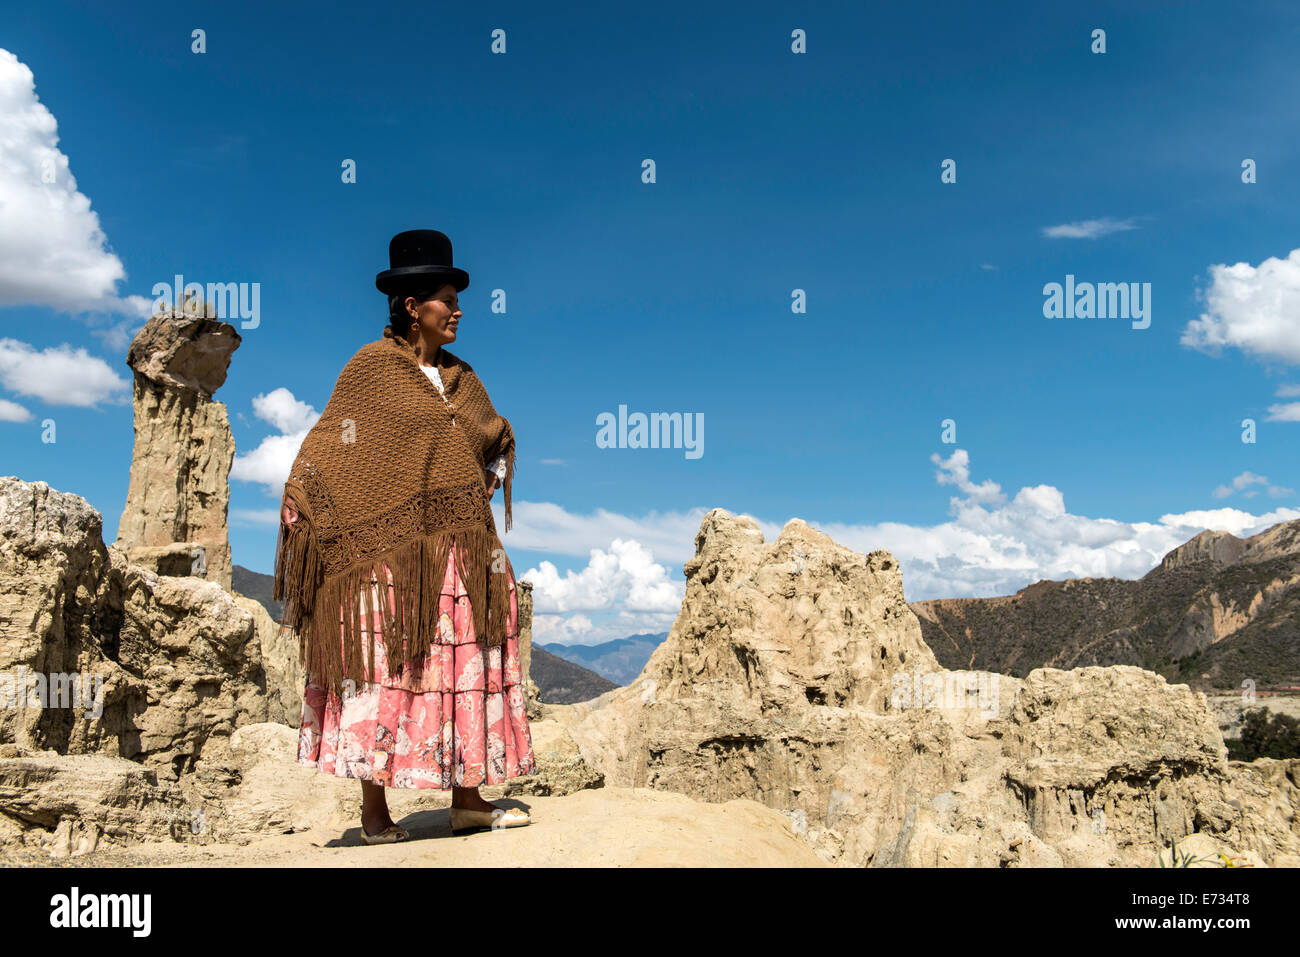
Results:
x,y
603,827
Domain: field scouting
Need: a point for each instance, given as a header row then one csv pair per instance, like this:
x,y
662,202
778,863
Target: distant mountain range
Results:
x,y
620,660
563,682
258,587
1216,611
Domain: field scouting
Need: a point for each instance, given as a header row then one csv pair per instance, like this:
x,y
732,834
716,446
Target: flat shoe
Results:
x,y
389,835
463,819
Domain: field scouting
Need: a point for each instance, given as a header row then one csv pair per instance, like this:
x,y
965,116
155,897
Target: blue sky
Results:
x,y
775,171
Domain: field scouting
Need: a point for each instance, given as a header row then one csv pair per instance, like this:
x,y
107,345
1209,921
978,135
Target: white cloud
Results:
x,y
269,463
546,527
566,631
955,470
1285,411
60,375
282,410
625,577
116,334
1247,479
52,250
255,516
989,546
1254,309
624,588
578,629
13,412
1089,228
1244,480
996,551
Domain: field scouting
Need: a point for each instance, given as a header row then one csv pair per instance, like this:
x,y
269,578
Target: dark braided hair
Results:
x,y
399,320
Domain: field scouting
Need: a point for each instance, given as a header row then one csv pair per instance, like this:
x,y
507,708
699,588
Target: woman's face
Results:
x,y
436,319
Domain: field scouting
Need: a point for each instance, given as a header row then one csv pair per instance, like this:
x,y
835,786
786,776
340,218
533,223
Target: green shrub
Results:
x,y
1265,735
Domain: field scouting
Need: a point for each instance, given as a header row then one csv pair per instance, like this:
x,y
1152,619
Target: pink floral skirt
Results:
x,y
457,719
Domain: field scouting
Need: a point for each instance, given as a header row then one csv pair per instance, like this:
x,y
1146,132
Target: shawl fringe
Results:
x,y
316,604
506,483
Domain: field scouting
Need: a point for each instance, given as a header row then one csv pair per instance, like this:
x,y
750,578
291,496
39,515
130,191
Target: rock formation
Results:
x,y
794,697
67,805
532,700
100,656
175,516
284,677
796,675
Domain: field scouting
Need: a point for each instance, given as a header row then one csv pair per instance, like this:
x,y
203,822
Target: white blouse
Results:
x,y
498,464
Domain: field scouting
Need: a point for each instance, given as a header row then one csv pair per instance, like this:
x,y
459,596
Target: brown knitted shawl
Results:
x,y
385,476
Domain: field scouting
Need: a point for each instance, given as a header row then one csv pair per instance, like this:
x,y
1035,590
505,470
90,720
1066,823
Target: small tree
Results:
x,y
1265,735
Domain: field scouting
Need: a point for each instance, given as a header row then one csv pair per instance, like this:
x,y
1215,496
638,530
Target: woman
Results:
x,y
391,570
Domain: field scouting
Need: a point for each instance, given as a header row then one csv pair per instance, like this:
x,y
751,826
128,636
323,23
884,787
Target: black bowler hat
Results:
x,y
416,257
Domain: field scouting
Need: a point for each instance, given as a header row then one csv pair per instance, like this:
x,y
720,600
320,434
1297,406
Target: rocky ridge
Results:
x,y
795,679
1217,611
793,715
797,675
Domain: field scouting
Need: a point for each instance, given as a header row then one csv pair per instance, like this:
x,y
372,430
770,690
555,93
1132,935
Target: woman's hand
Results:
x,y
491,480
